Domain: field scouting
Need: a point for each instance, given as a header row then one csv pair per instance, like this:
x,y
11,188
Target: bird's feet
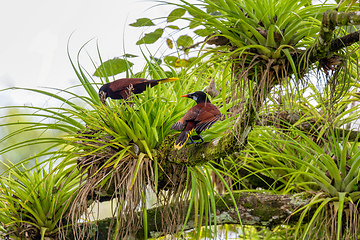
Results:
x,y
193,142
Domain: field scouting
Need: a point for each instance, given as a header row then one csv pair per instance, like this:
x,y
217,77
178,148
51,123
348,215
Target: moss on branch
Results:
x,y
255,209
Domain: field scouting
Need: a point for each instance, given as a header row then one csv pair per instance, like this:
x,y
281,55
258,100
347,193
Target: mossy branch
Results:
x,y
332,19
256,209
197,154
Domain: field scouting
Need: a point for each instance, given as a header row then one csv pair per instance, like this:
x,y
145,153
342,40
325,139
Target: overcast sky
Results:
x,y
34,37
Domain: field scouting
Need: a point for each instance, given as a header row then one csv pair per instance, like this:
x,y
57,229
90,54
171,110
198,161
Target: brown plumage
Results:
x,y
122,88
200,117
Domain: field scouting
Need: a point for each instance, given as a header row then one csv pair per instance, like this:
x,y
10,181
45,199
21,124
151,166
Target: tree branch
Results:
x,y
332,19
256,209
220,148
347,40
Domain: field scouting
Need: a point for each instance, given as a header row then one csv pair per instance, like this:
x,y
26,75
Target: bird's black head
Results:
x,y
103,91
198,97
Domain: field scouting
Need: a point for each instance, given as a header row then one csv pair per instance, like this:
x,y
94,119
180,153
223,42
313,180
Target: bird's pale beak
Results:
x,y
102,93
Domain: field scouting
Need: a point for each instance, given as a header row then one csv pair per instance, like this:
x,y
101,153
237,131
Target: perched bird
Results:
x,y
122,88
200,117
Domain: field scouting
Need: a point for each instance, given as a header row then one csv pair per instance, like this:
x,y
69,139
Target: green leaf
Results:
x,y
151,37
139,161
170,60
173,27
195,12
203,32
342,196
184,41
176,14
211,8
112,67
141,22
194,23
147,149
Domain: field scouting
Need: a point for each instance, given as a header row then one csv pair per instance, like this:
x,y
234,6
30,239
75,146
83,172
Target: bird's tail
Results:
x,y
167,80
182,139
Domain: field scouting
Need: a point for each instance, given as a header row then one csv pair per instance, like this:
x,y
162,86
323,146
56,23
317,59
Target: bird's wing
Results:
x,y
190,115
207,117
201,126
125,83
179,125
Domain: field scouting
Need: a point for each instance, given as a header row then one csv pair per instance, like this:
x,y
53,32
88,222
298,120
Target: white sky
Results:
x,y
34,35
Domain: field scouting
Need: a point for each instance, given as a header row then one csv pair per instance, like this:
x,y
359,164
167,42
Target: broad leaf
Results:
x,y
176,14
173,27
151,37
184,41
141,22
203,32
170,60
112,67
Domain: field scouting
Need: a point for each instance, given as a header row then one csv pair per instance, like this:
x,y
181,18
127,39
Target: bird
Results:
x,y
200,117
122,88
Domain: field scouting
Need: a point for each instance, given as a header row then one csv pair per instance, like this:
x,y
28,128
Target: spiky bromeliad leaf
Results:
x,y
37,201
112,67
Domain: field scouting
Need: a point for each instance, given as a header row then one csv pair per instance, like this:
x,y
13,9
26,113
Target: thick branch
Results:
x,y
332,19
220,148
197,154
255,209
347,40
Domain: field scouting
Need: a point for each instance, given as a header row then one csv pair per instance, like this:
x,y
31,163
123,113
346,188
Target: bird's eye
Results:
x,y
195,97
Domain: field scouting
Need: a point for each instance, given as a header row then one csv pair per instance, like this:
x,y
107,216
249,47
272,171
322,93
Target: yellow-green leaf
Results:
x,y
169,42
147,149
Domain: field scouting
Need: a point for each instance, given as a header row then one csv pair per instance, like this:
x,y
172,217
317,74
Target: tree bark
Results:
x,y
256,209
332,19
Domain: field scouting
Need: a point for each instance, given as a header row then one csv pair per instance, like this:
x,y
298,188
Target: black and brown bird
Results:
x,y
200,117
122,88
